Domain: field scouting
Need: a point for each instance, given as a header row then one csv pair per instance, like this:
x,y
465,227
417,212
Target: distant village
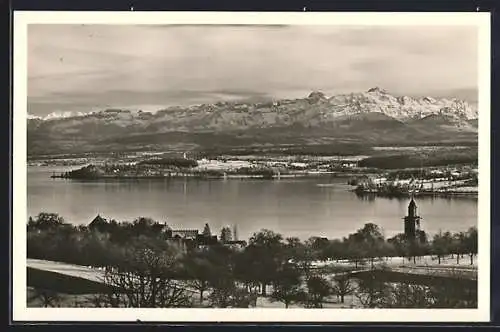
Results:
x,y
223,167
437,181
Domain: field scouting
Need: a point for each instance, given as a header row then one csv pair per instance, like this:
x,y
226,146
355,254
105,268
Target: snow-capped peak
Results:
x,y
402,108
58,115
377,90
34,117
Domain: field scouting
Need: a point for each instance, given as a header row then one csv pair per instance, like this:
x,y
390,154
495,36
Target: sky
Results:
x,y
82,68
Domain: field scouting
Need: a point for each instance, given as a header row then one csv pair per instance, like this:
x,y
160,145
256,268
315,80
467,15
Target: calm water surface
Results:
x,y
295,207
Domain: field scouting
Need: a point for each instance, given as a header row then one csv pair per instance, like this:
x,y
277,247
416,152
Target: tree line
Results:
x,y
154,271
415,160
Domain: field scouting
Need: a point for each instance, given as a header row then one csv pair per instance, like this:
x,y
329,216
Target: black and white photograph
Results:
x,y
327,163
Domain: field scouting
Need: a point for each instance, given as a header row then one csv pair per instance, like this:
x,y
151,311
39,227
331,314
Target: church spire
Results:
x,y
412,220
412,207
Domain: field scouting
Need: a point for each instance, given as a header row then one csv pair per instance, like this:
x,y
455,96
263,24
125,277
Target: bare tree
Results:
x,y
373,293
200,271
369,240
145,279
441,245
263,257
342,286
404,295
48,298
471,243
286,286
317,289
227,294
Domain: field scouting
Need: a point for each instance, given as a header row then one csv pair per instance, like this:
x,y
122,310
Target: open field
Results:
x,y
77,285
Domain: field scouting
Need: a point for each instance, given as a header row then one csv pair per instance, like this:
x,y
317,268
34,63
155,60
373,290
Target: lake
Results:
x,y
292,207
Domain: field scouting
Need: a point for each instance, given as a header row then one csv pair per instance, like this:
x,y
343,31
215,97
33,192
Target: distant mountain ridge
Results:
x,y
374,115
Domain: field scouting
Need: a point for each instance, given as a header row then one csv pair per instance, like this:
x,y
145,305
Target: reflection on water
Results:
x,y
293,207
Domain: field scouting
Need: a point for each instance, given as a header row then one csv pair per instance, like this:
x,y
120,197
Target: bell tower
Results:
x,y
412,221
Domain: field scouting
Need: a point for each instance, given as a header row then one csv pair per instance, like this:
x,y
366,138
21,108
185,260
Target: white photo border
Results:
x,y
19,304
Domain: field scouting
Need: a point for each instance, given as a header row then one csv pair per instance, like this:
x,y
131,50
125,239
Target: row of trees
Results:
x,y
369,244
436,158
171,162
366,244
152,272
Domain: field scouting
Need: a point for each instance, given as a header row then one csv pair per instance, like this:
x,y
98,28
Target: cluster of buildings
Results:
x,y
435,181
185,239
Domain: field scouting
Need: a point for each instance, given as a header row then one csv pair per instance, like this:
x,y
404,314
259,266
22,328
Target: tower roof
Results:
x,y
98,220
412,203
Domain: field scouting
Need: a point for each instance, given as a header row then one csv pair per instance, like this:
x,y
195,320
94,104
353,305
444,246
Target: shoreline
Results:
x,y
208,177
418,194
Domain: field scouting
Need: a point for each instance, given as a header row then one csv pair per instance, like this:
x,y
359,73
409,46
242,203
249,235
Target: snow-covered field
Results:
x,y
221,165
97,274
350,301
431,261
90,273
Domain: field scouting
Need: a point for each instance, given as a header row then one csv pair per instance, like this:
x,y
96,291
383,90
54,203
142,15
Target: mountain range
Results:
x,y
371,117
